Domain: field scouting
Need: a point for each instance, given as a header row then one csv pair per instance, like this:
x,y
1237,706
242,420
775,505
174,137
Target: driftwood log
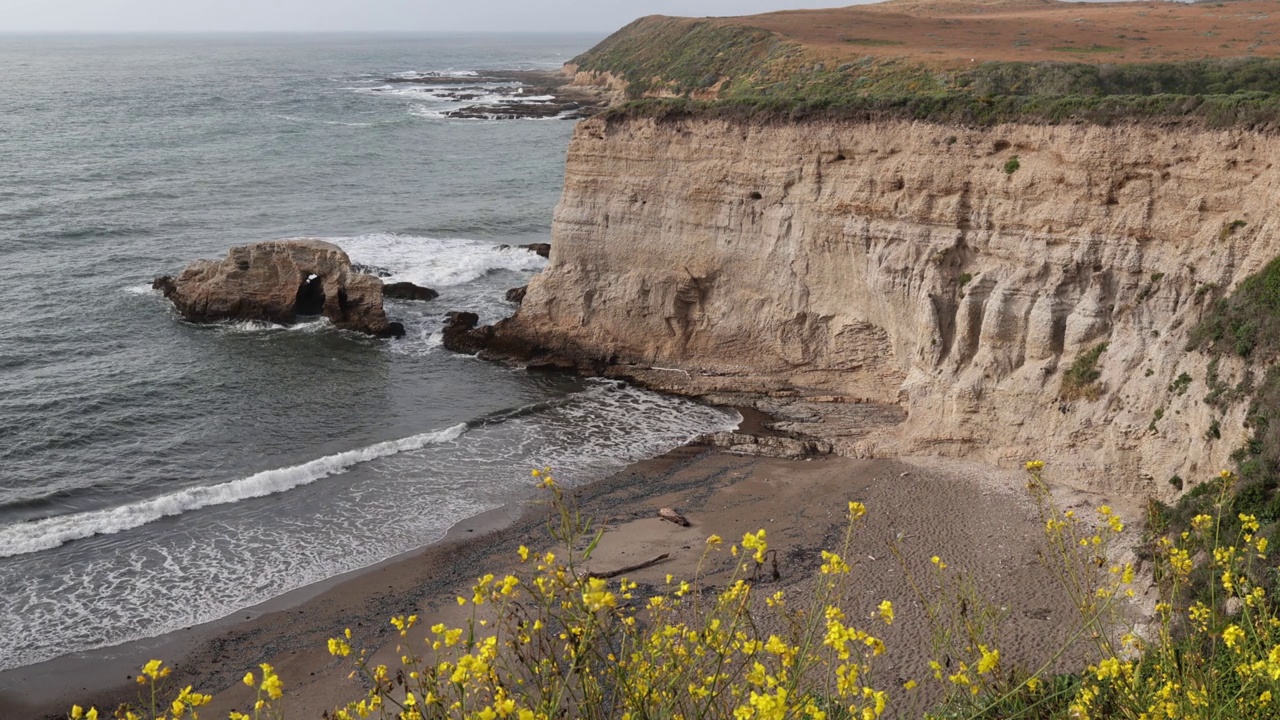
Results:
x,y
670,514
630,568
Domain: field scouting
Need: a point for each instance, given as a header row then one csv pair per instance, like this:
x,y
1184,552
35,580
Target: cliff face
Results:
x,y
956,273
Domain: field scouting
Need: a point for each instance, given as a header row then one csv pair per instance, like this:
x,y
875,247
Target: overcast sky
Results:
x,y
363,15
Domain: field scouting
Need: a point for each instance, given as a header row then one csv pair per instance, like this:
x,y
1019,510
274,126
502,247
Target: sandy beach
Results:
x,y
979,518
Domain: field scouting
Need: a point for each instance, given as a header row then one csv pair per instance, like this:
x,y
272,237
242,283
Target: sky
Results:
x,y
363,15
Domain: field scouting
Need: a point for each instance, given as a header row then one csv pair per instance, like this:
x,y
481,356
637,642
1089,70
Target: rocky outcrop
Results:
x,y
542,249
916,265
765,445
408,291
279,281
516,295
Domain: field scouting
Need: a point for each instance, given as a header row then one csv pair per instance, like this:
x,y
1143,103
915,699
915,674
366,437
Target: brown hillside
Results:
x,y
1029,30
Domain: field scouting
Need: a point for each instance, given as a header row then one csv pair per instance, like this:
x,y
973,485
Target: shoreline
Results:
x,y
976,515
104,676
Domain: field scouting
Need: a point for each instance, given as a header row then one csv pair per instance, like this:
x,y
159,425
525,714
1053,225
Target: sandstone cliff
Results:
x,y
955,273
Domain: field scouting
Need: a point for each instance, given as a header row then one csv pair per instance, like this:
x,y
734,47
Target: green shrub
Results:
x,y
1081,379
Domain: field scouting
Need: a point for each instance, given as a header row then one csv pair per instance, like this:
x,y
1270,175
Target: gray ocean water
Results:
x,y
156,474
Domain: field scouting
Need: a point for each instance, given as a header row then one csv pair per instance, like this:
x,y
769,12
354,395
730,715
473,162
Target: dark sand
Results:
x,y
979,519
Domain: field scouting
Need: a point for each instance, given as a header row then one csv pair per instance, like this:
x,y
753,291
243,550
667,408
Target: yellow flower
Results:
x,y
155,670
856,510
597,596
77,712
714,540
271,684
832,564
886,612
1035,465
1109,668
1232,636
989,661
756,542
339,648
524,553
248,679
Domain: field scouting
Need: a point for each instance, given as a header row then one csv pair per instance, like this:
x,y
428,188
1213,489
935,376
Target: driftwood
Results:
x,y
670,514
630,568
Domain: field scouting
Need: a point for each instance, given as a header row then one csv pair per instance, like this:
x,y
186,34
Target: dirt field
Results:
x,y
955,31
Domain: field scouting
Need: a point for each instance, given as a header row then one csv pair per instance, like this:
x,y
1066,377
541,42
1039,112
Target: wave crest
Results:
x,y
436,262
48,533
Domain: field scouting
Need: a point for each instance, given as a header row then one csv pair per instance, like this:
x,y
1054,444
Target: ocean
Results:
x,y
155,474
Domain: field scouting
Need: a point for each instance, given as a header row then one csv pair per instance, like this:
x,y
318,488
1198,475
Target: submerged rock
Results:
x,y
464,334
408,291
543,249
278,281
374,270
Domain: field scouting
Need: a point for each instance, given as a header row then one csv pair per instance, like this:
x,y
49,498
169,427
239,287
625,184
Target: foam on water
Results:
x,y
262,326
51,532
436,262
436,100
241,549
435,73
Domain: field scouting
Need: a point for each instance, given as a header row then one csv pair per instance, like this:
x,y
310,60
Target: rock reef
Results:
x,y
278,282
408,291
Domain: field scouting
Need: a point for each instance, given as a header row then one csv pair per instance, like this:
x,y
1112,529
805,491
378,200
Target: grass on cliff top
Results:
x,y
755,74
1243,110
675,55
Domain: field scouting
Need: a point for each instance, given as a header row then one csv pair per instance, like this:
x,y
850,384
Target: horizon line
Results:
x,y
4,31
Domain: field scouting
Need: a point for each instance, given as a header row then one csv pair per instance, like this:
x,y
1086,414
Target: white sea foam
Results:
x,y
30,537
262,326
435,262
143,289
436,73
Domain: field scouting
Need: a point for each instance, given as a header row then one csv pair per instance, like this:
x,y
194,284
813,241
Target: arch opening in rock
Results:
x,y
310,300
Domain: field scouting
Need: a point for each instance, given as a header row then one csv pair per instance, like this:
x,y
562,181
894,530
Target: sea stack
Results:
x,y
279,281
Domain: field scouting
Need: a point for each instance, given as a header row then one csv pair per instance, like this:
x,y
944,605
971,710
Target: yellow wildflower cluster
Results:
x,y
1178,676
555,641
185,704
558,641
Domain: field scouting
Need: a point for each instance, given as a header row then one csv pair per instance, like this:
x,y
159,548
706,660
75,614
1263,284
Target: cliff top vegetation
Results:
x,y
971,61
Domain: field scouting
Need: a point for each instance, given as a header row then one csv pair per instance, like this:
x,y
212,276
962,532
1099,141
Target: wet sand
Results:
x,y
978,518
